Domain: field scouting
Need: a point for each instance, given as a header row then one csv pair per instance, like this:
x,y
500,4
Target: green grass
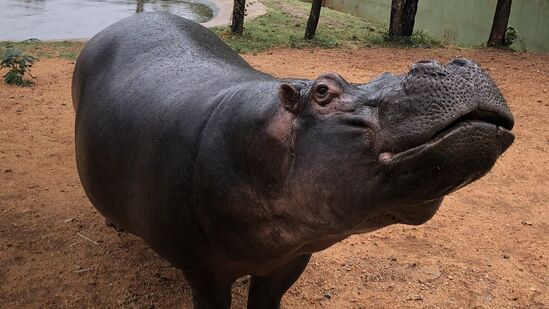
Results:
x,y
282,26
417,39
60,49
69,55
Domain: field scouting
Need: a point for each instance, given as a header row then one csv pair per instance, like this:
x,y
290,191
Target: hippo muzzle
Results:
x,y
431,99
439,129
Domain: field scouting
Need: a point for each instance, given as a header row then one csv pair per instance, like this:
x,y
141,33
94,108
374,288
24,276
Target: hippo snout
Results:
x,y
446,125
433,98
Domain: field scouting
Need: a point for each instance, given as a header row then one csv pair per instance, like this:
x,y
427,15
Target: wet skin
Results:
x,y
227,171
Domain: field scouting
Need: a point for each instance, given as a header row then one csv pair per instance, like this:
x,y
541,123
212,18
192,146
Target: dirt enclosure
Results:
x,y
486,248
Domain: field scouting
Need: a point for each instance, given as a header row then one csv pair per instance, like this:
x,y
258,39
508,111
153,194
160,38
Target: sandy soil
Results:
x,y
486,248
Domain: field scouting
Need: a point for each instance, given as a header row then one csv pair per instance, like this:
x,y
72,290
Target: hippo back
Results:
x,y
143,91
157,46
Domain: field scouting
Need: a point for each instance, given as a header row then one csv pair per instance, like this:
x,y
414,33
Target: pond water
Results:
x,y
81,19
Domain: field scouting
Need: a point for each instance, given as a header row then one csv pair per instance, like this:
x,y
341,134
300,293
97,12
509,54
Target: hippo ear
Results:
x,y
290,98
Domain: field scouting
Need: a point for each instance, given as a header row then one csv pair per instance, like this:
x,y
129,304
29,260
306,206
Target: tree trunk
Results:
x,y
312,23
403,17
140,4
409,17
239,10
395,24
499,26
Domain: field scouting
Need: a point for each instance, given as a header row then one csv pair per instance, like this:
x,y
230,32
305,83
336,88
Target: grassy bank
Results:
x,y
282,26
60,49
285,22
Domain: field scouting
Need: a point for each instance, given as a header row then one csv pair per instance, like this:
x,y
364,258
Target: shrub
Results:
x,y
18,64
511,36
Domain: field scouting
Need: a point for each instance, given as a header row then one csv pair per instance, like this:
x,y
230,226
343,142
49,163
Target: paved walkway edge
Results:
x,y
224,10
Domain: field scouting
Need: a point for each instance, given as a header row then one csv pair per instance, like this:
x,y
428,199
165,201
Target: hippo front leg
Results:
x,y
266,291
210,291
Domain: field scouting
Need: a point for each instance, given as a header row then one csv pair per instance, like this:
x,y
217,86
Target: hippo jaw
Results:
x,y
454,131
389,151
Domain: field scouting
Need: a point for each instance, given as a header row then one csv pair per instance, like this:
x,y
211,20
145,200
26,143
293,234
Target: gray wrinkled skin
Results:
x,y
227,171
433,97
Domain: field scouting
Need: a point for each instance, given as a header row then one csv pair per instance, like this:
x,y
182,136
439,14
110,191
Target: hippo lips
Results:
x,y
502,131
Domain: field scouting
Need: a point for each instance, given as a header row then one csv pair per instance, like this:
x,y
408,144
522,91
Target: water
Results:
x,y
80,19
463,22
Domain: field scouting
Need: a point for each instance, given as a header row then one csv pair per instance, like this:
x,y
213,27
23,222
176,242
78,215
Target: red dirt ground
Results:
x,y
486,248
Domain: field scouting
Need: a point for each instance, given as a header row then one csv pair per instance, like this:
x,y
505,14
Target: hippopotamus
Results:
x,y
226,171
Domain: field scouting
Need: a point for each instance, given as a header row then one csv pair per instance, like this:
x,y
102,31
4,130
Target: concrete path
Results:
x,y
224,10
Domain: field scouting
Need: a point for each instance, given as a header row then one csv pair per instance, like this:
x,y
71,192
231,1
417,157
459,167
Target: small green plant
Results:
x,y
18,64
293,41
511,36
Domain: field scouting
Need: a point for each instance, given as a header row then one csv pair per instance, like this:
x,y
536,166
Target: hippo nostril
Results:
x,y
429,67
461,62
425,63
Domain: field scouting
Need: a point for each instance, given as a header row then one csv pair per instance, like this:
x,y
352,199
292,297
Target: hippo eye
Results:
x,y
322,94
322,90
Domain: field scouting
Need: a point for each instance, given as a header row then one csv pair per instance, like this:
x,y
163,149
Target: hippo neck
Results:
x,y
243,164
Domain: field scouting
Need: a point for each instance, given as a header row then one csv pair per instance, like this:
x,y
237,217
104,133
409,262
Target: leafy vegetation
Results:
x,y
511,36
18,65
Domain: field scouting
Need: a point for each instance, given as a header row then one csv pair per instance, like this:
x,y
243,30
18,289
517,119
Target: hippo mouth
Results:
x,y
499,125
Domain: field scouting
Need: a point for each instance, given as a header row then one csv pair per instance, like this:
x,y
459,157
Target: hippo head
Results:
x,y
388,151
